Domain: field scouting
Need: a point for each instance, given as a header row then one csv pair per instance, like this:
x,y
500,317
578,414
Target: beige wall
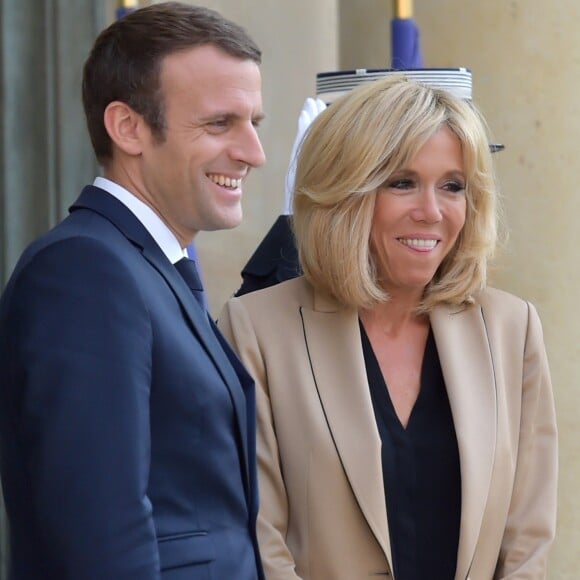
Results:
x,y
525,57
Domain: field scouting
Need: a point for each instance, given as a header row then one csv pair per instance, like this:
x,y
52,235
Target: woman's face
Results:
x,y
419,214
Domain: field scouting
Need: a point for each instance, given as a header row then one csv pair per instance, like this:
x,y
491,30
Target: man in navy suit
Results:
x,y
127,436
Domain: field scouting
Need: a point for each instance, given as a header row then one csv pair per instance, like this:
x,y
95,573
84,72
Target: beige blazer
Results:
x,y
323,513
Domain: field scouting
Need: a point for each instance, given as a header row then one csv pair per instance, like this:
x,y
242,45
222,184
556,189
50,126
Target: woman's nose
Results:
x,y
428,208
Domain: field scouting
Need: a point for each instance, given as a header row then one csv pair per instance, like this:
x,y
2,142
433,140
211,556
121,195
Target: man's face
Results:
x,y
193,177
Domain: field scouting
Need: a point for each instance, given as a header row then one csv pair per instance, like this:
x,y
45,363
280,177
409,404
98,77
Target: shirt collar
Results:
x,y
164,237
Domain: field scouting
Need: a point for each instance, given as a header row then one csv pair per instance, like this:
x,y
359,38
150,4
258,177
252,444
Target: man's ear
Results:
x,y
126,128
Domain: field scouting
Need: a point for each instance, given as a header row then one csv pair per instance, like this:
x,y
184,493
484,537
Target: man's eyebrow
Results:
x,y
229,116
217,115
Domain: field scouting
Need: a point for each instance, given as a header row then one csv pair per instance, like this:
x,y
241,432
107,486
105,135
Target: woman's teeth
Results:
x,y
416,243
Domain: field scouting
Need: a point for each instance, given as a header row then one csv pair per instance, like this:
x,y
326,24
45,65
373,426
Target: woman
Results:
x,y
406,420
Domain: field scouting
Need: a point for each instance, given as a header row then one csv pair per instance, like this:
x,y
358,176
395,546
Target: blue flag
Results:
x,y
405,46
125,7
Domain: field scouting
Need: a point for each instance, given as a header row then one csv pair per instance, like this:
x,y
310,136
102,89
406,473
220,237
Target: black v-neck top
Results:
x,y
421,472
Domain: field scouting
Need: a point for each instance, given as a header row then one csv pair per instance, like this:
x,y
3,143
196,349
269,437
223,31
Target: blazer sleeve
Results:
x,y
236,325
531,524
82,351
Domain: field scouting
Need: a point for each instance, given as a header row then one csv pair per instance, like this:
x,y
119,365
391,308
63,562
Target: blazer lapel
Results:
x,y
334,345
112,209
465,357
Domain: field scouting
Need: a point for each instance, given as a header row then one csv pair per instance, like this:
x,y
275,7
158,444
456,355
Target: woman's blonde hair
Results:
x,y
350,150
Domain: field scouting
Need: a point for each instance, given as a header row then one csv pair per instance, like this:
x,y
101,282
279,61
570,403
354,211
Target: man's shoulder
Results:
x,y
87,232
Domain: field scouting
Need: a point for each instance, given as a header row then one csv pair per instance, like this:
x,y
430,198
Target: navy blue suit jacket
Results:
x,y
127,425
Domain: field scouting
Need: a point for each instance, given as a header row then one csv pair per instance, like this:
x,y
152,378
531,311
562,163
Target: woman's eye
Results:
x,y
401,184
454,186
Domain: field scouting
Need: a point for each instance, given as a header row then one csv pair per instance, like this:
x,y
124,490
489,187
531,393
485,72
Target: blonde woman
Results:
x,y
406,420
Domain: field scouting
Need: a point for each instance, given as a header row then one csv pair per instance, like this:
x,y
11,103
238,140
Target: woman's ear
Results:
x,y
125,127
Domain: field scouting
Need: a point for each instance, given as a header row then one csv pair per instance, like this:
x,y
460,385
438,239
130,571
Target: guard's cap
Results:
x,y
458,81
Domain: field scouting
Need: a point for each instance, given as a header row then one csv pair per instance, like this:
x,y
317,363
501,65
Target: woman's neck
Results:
x,y
394,317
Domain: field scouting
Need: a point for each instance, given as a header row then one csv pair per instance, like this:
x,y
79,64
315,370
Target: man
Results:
x,y
126,423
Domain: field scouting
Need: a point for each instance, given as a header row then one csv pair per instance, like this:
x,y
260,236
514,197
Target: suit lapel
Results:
x,y
207,334
112,209
333,341
464,352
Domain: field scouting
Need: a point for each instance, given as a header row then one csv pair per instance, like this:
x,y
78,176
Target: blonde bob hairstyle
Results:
x,y
351,149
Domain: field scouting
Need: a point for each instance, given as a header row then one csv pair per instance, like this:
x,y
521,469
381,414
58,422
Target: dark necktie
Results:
x,y
188,271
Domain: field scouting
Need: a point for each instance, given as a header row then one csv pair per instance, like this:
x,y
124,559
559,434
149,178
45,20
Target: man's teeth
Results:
x,y
227,181
415,243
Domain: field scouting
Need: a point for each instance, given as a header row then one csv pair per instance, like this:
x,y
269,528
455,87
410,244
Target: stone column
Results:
x,y
45,154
